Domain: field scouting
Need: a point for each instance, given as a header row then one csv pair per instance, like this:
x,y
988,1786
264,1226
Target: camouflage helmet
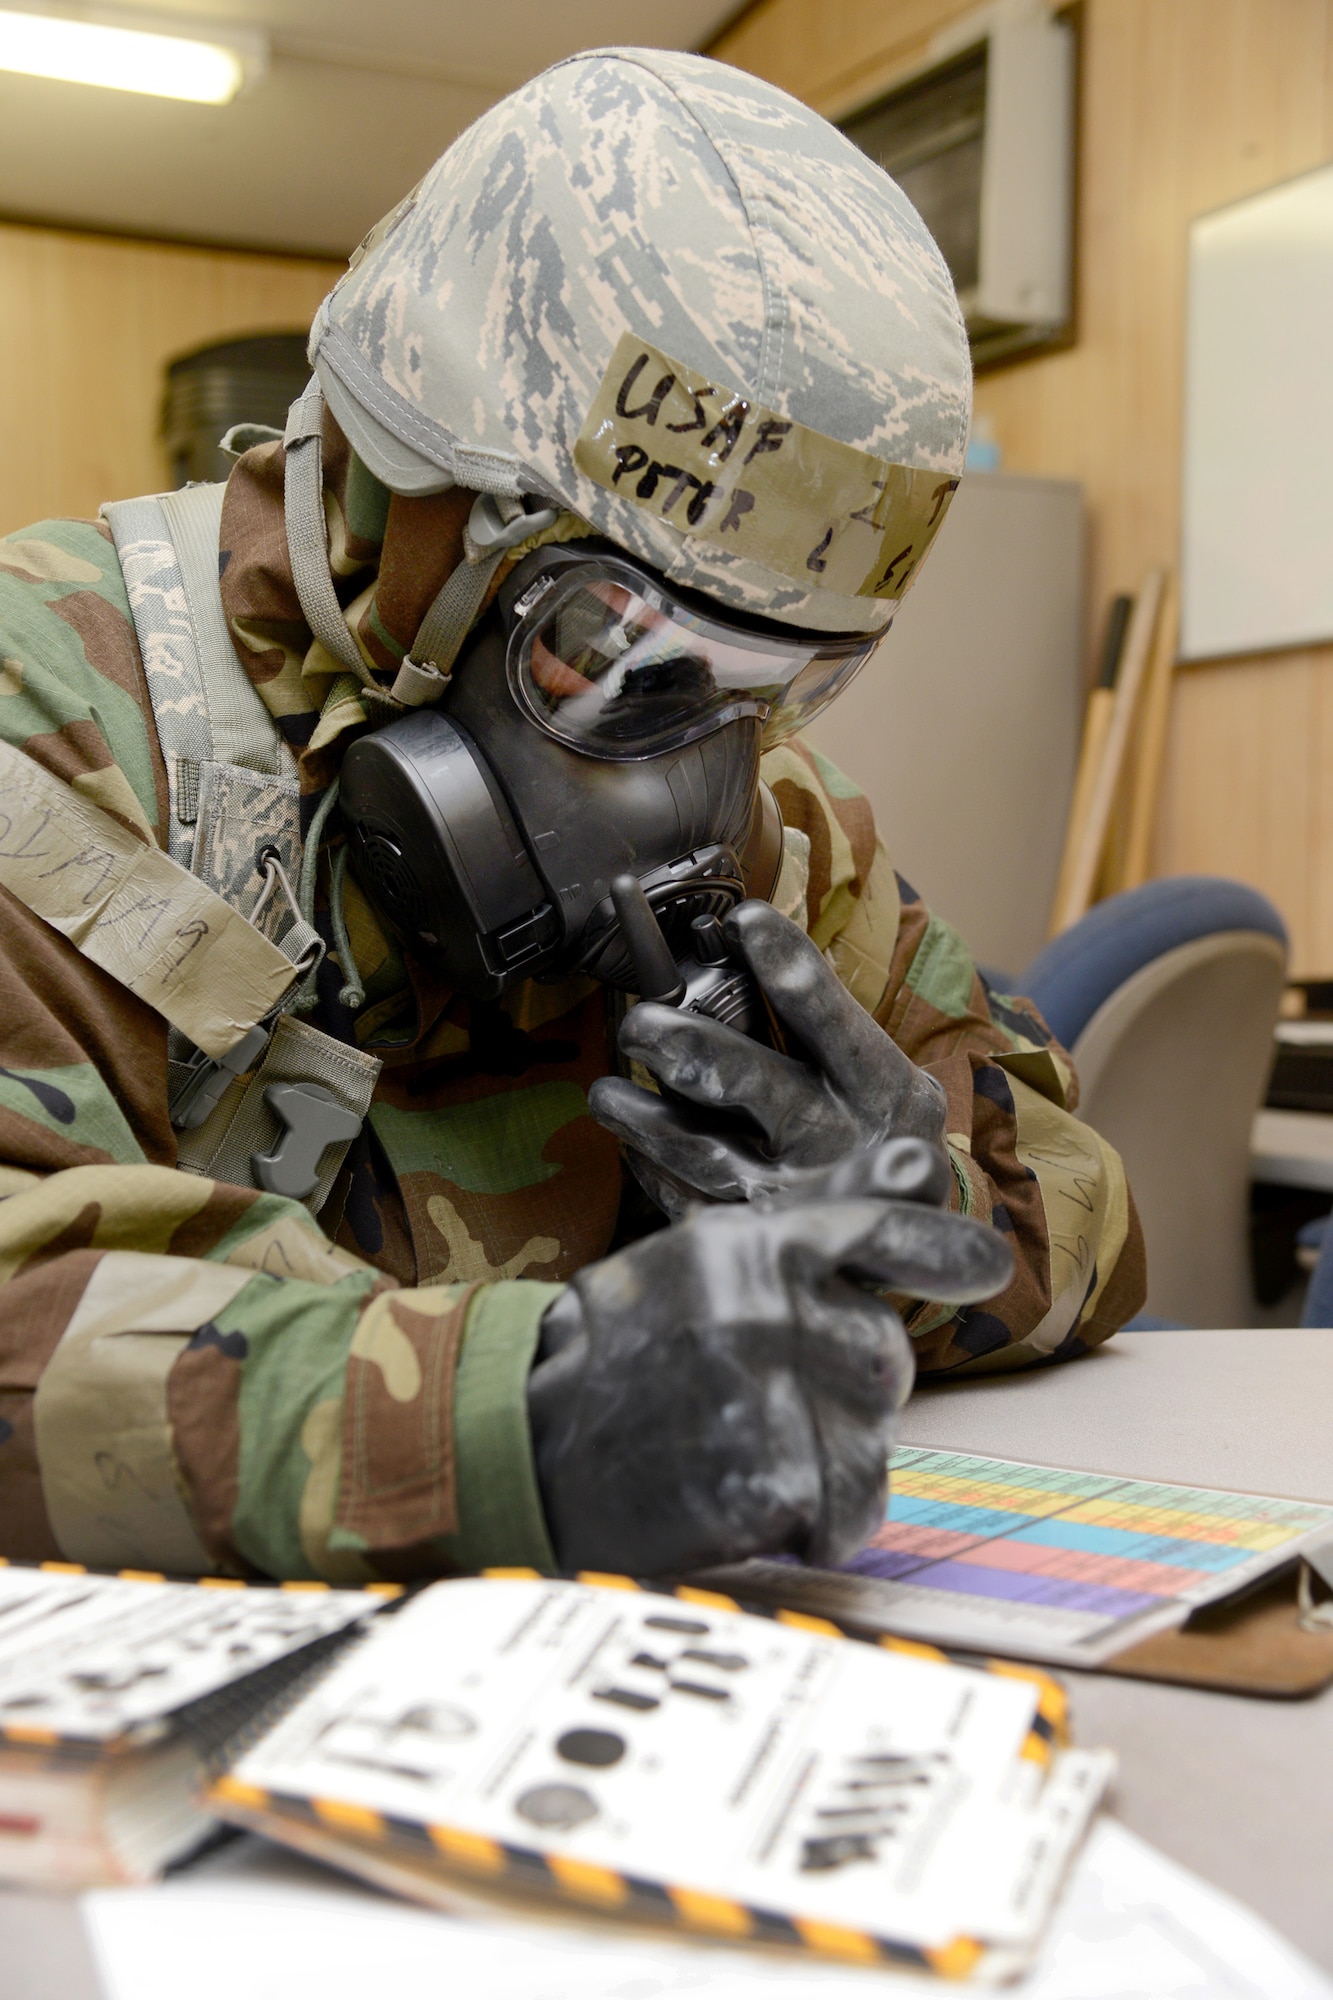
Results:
x,y
668,299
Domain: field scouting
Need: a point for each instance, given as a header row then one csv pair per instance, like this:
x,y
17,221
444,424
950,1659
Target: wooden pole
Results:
x,y
1152,747
1091,837
1096,721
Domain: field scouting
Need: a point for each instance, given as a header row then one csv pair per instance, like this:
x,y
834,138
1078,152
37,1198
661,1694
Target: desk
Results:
x,y
1293,1149
1241,1791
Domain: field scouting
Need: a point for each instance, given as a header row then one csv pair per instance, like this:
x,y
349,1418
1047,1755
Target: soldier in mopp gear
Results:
x,y
344,812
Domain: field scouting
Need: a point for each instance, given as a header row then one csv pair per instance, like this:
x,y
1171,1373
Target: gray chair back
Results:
x,y
1173,1066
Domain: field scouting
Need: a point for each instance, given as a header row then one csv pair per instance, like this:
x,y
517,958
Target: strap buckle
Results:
x,y
300,943
312,1119
200,1090
494,526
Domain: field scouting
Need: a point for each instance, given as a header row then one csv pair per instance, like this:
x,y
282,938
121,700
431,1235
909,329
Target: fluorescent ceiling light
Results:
x,y
120,58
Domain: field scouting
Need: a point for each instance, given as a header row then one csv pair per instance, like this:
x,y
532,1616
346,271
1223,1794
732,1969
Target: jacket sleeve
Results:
x,y
1021,1159
191,1377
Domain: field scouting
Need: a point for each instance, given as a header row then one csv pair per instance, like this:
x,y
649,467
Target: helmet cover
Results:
x,y
667,297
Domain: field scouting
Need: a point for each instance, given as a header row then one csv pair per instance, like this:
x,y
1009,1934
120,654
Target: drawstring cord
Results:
x,y
305,888
301,941
353,993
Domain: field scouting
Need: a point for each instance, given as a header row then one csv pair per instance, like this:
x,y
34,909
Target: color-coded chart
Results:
x,y
995,1551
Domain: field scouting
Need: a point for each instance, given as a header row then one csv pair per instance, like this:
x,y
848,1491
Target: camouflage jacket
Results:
x,y
196,1376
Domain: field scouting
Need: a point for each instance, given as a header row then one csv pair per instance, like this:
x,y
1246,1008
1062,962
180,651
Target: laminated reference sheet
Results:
x,y
665,1755
104,1662
121,1695
1042,1563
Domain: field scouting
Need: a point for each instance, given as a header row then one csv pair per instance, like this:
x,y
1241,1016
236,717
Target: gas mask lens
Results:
x,y
610,662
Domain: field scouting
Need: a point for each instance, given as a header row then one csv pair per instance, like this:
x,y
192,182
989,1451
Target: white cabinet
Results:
x,y
964,729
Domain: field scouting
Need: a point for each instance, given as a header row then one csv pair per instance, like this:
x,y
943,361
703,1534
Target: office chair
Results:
x,y
1166,996
1318,1307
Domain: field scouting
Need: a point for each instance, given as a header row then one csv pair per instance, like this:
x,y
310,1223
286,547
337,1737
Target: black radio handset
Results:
x,y
711,980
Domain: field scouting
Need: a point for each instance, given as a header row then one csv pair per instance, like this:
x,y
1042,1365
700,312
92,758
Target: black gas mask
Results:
x,y
600,729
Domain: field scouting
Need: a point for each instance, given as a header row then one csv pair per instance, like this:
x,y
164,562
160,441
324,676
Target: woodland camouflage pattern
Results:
x,y
193,1375
715,217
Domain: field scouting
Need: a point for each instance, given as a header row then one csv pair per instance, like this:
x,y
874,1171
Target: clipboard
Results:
x,y
1261,1643
1004,1558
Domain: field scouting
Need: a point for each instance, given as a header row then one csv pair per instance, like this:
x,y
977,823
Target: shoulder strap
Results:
x,y
244,732
271,1110
205,707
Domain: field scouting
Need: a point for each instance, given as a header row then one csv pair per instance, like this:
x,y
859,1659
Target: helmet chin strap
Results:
x,y
496,524
308,547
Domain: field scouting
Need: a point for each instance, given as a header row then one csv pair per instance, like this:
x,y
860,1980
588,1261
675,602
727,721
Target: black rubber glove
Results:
x,y
743,1121
728,1386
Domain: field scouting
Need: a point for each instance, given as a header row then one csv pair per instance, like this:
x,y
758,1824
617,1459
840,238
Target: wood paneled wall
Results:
x,y
1185,105
87,324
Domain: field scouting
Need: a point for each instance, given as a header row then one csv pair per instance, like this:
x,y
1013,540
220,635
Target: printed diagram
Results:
x,y
556,1808
666,1657
614,1742
665,1667
880,1797
563,1805
90,1656
416,1743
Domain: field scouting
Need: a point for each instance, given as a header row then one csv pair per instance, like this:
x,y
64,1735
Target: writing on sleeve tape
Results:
x,y
133,911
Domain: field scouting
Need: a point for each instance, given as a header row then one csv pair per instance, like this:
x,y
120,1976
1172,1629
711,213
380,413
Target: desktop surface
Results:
x,y
1234,1788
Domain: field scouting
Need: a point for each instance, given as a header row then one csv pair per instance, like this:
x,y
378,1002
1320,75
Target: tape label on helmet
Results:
x,y
720,466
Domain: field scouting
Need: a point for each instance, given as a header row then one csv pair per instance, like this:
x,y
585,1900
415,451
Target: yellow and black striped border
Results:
x,y
529,1871
315,1584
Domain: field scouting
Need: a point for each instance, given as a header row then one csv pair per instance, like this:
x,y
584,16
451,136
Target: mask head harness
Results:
x,y
603,724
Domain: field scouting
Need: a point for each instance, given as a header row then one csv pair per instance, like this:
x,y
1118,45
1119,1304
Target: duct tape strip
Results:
x,y
714,464
133,911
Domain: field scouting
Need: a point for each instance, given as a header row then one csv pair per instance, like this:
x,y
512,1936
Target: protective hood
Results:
x,y
388,553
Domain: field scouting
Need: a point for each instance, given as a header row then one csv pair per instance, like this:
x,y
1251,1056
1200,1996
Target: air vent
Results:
x,y
981,141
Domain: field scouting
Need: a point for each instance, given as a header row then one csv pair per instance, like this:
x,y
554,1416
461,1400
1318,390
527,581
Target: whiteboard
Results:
x,y
1257,528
